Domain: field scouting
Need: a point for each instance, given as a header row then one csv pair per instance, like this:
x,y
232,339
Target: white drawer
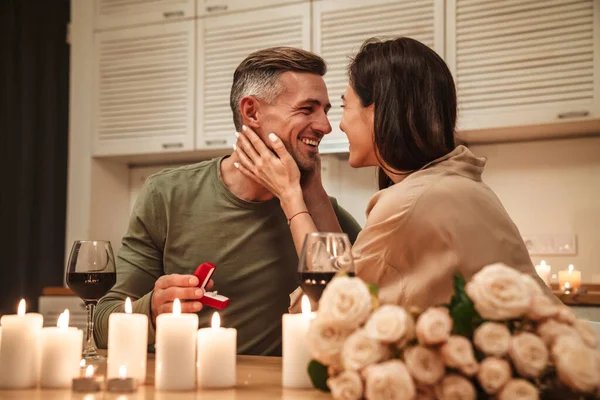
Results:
x,y
51,307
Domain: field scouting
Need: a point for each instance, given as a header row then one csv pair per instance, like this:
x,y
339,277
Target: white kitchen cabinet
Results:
x,y
524,63
341,26
110,14
215,7
223,42
144,90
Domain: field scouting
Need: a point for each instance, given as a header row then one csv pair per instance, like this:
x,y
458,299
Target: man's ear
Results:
x,y
249,109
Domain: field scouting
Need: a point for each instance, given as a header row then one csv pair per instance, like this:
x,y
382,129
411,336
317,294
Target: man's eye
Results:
x,y
307,110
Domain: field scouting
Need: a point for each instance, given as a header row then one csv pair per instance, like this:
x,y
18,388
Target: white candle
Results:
x,y
543,270
176,350
295,350
127,344
20,351
216,355
61,351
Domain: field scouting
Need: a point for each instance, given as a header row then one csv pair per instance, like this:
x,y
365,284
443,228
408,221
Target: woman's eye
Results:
x,y
343,106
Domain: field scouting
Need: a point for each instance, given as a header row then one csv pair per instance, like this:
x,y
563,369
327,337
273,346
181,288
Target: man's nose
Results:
x,y
322,125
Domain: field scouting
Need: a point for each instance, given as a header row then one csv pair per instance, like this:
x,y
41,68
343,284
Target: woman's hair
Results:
x,y
414,99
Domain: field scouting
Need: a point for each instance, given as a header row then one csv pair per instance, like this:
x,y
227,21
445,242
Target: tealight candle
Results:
x,y
61,349
543,270
88,383
175,367
296,356
122,384
216,355
571,276
20,351
127,344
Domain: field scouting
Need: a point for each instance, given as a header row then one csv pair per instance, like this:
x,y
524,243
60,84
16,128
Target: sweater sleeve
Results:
x,y
139,263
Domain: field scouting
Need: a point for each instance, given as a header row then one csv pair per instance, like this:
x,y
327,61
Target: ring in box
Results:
x,y
211,299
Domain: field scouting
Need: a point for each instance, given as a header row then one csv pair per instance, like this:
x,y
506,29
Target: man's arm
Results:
x,y
139,263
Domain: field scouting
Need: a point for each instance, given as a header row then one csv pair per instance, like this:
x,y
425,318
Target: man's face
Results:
x,y
298,116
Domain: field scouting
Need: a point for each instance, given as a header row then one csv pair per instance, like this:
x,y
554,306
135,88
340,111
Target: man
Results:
x,y
211,212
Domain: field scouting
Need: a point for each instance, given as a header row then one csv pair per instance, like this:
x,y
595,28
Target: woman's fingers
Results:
x,y
247,172
279,147
257,143
244,144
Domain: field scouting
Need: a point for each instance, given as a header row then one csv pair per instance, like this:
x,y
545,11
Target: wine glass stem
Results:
x,y
90,344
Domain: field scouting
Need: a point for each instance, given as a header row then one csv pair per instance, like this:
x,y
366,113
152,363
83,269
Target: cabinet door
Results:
x,y
214,7
144,89
223,42
128,13
341,26
519,63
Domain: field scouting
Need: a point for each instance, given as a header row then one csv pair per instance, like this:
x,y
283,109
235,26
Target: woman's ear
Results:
x,y
249,108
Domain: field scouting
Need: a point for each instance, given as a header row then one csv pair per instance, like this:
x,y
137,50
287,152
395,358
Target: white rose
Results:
x,y
519,389
325,340
550,329
391,324
434,326
528,354
532,284
360,351
542,307
388,380
576,364
586,332
425,365
455,387
492,338
346,386
347,301
499,292
457,353
493,374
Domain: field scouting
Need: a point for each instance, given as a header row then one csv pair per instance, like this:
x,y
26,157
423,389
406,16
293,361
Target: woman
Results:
x,y
433,215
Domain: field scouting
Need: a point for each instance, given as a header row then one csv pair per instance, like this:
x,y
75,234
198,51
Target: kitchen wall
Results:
x,y
548,187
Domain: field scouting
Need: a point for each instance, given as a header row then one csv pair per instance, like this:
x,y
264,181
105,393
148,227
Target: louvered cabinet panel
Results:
x,y
525,62
341,26
215,7
223,42
110,14
144,89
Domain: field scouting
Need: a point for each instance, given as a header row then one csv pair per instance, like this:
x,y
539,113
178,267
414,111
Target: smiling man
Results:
x,y
211,212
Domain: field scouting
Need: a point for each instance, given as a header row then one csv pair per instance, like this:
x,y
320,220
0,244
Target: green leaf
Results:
x,y
318,375
374,289
462,310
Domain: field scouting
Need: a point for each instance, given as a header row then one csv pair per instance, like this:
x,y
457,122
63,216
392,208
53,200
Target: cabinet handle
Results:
x,y
172,145
574,114
222,7
215,142
173,14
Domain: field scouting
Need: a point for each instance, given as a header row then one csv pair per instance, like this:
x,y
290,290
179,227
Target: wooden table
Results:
x,y
258,378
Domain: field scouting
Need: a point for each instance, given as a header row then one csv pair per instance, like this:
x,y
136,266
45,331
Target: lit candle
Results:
x,y
61,350
122,383
543,270
127,343
20,351
216,355
296,356
572,276
88,383
176,350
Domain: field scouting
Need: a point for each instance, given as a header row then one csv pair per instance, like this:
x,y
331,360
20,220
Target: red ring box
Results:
x,y
211,299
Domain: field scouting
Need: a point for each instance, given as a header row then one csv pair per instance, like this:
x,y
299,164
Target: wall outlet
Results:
x,y
551,244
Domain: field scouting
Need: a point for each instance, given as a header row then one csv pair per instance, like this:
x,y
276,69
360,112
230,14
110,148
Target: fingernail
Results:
x,y
194,281
237,134
273,137
237,165
199,293
244,128
234,147
197,305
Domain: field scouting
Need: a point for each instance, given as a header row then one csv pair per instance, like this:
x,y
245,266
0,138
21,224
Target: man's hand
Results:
x,y
174,286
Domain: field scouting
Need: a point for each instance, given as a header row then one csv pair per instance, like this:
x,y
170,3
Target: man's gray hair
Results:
x,y
258,75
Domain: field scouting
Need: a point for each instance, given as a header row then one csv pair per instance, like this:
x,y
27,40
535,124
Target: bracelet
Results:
x,y
298,213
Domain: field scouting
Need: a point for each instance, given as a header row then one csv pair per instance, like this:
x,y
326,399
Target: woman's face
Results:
x,y
358,125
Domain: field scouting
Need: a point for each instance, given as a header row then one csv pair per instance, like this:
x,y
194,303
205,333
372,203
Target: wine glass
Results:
x,y
90,275
324,254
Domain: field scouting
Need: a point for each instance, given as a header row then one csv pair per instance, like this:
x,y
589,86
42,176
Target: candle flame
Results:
x,y
128,307
21,308
82,363
177,307
571,268
543,263
122,372
567,285
216,321
63,320
89,371
305,306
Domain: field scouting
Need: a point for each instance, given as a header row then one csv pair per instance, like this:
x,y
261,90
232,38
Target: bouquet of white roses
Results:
x,y
499,338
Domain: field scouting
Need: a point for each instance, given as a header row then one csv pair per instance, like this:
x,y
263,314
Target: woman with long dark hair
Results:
x,y
433,215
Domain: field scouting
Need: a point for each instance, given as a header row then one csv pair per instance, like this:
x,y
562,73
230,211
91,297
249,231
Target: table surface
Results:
x,y
258,378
